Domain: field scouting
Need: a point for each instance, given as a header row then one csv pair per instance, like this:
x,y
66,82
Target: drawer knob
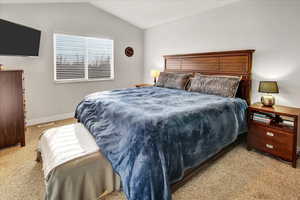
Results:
x,y
270,134
269,146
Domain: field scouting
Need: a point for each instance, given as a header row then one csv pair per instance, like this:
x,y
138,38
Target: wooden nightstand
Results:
x,y
272,136
143,85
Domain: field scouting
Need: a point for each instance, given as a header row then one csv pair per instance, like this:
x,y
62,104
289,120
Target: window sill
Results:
x,y
83,80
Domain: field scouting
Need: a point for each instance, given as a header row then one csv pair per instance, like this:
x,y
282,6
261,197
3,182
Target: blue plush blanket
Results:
x,y
151,135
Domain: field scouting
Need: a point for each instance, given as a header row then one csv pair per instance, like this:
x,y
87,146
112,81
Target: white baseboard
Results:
x,y
42,120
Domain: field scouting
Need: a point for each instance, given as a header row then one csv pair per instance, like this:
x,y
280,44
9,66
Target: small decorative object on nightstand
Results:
x,y
268,87
268,134
143,85
155,74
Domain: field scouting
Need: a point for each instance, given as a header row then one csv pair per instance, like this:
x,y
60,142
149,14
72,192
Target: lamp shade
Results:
x,y
268,87
155,73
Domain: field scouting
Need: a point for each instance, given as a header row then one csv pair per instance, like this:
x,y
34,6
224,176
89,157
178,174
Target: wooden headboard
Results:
x,y
236,63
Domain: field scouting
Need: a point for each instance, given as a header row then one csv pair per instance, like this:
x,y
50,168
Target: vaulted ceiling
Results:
x,y
145,13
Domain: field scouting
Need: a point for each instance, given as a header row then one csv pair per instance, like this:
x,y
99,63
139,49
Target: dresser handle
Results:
x,y
269,146
270,134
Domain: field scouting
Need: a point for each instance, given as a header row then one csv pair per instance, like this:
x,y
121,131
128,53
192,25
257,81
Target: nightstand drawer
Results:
x,y
271,147
270,134
272,141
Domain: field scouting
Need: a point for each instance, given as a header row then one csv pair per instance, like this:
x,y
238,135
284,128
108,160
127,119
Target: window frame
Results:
x,y
85,79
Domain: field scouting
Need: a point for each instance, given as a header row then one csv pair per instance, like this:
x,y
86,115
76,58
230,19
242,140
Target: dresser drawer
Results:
x,y
270,140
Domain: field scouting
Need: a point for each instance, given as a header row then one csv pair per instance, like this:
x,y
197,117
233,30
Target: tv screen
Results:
x,y
19,40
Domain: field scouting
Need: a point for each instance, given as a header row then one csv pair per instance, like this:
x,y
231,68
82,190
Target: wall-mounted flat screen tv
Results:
x,y
18,40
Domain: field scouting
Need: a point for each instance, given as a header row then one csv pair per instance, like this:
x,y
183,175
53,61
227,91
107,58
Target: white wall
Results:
x,y
47,100
270,27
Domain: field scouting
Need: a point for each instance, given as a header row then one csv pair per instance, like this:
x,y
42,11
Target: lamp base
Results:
x,y
155,80
268,100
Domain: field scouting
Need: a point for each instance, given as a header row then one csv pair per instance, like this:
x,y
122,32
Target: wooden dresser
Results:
x,y
12,106
277,137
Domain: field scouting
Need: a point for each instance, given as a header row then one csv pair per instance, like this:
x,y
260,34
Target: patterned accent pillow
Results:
x,y
162,79
177,80
188,84
225,86
198,74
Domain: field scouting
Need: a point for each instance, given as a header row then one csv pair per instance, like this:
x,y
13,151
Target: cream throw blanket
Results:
x,y
74,168
62,144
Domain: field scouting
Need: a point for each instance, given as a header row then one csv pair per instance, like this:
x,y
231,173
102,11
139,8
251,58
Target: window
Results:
x,y
82,58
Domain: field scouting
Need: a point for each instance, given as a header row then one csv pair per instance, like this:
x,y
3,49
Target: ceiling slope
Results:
x,y
145,13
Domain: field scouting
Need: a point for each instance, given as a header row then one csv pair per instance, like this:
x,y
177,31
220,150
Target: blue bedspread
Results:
x,y
151,135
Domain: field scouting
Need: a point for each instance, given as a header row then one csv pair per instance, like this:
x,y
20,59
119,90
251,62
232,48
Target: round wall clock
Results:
x,y
129,51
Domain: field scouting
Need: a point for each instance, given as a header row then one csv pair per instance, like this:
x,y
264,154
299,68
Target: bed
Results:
x,y
140,127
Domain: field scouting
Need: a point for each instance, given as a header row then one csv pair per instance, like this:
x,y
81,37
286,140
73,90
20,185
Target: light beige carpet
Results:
x,y
238,175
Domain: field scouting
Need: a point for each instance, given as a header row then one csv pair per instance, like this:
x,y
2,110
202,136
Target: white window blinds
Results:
x,y
83,58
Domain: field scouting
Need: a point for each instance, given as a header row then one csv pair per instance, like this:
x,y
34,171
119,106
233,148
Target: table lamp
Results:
x,y
155,74
268,87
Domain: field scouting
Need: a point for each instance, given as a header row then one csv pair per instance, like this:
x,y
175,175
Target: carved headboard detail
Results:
x,y
234,63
